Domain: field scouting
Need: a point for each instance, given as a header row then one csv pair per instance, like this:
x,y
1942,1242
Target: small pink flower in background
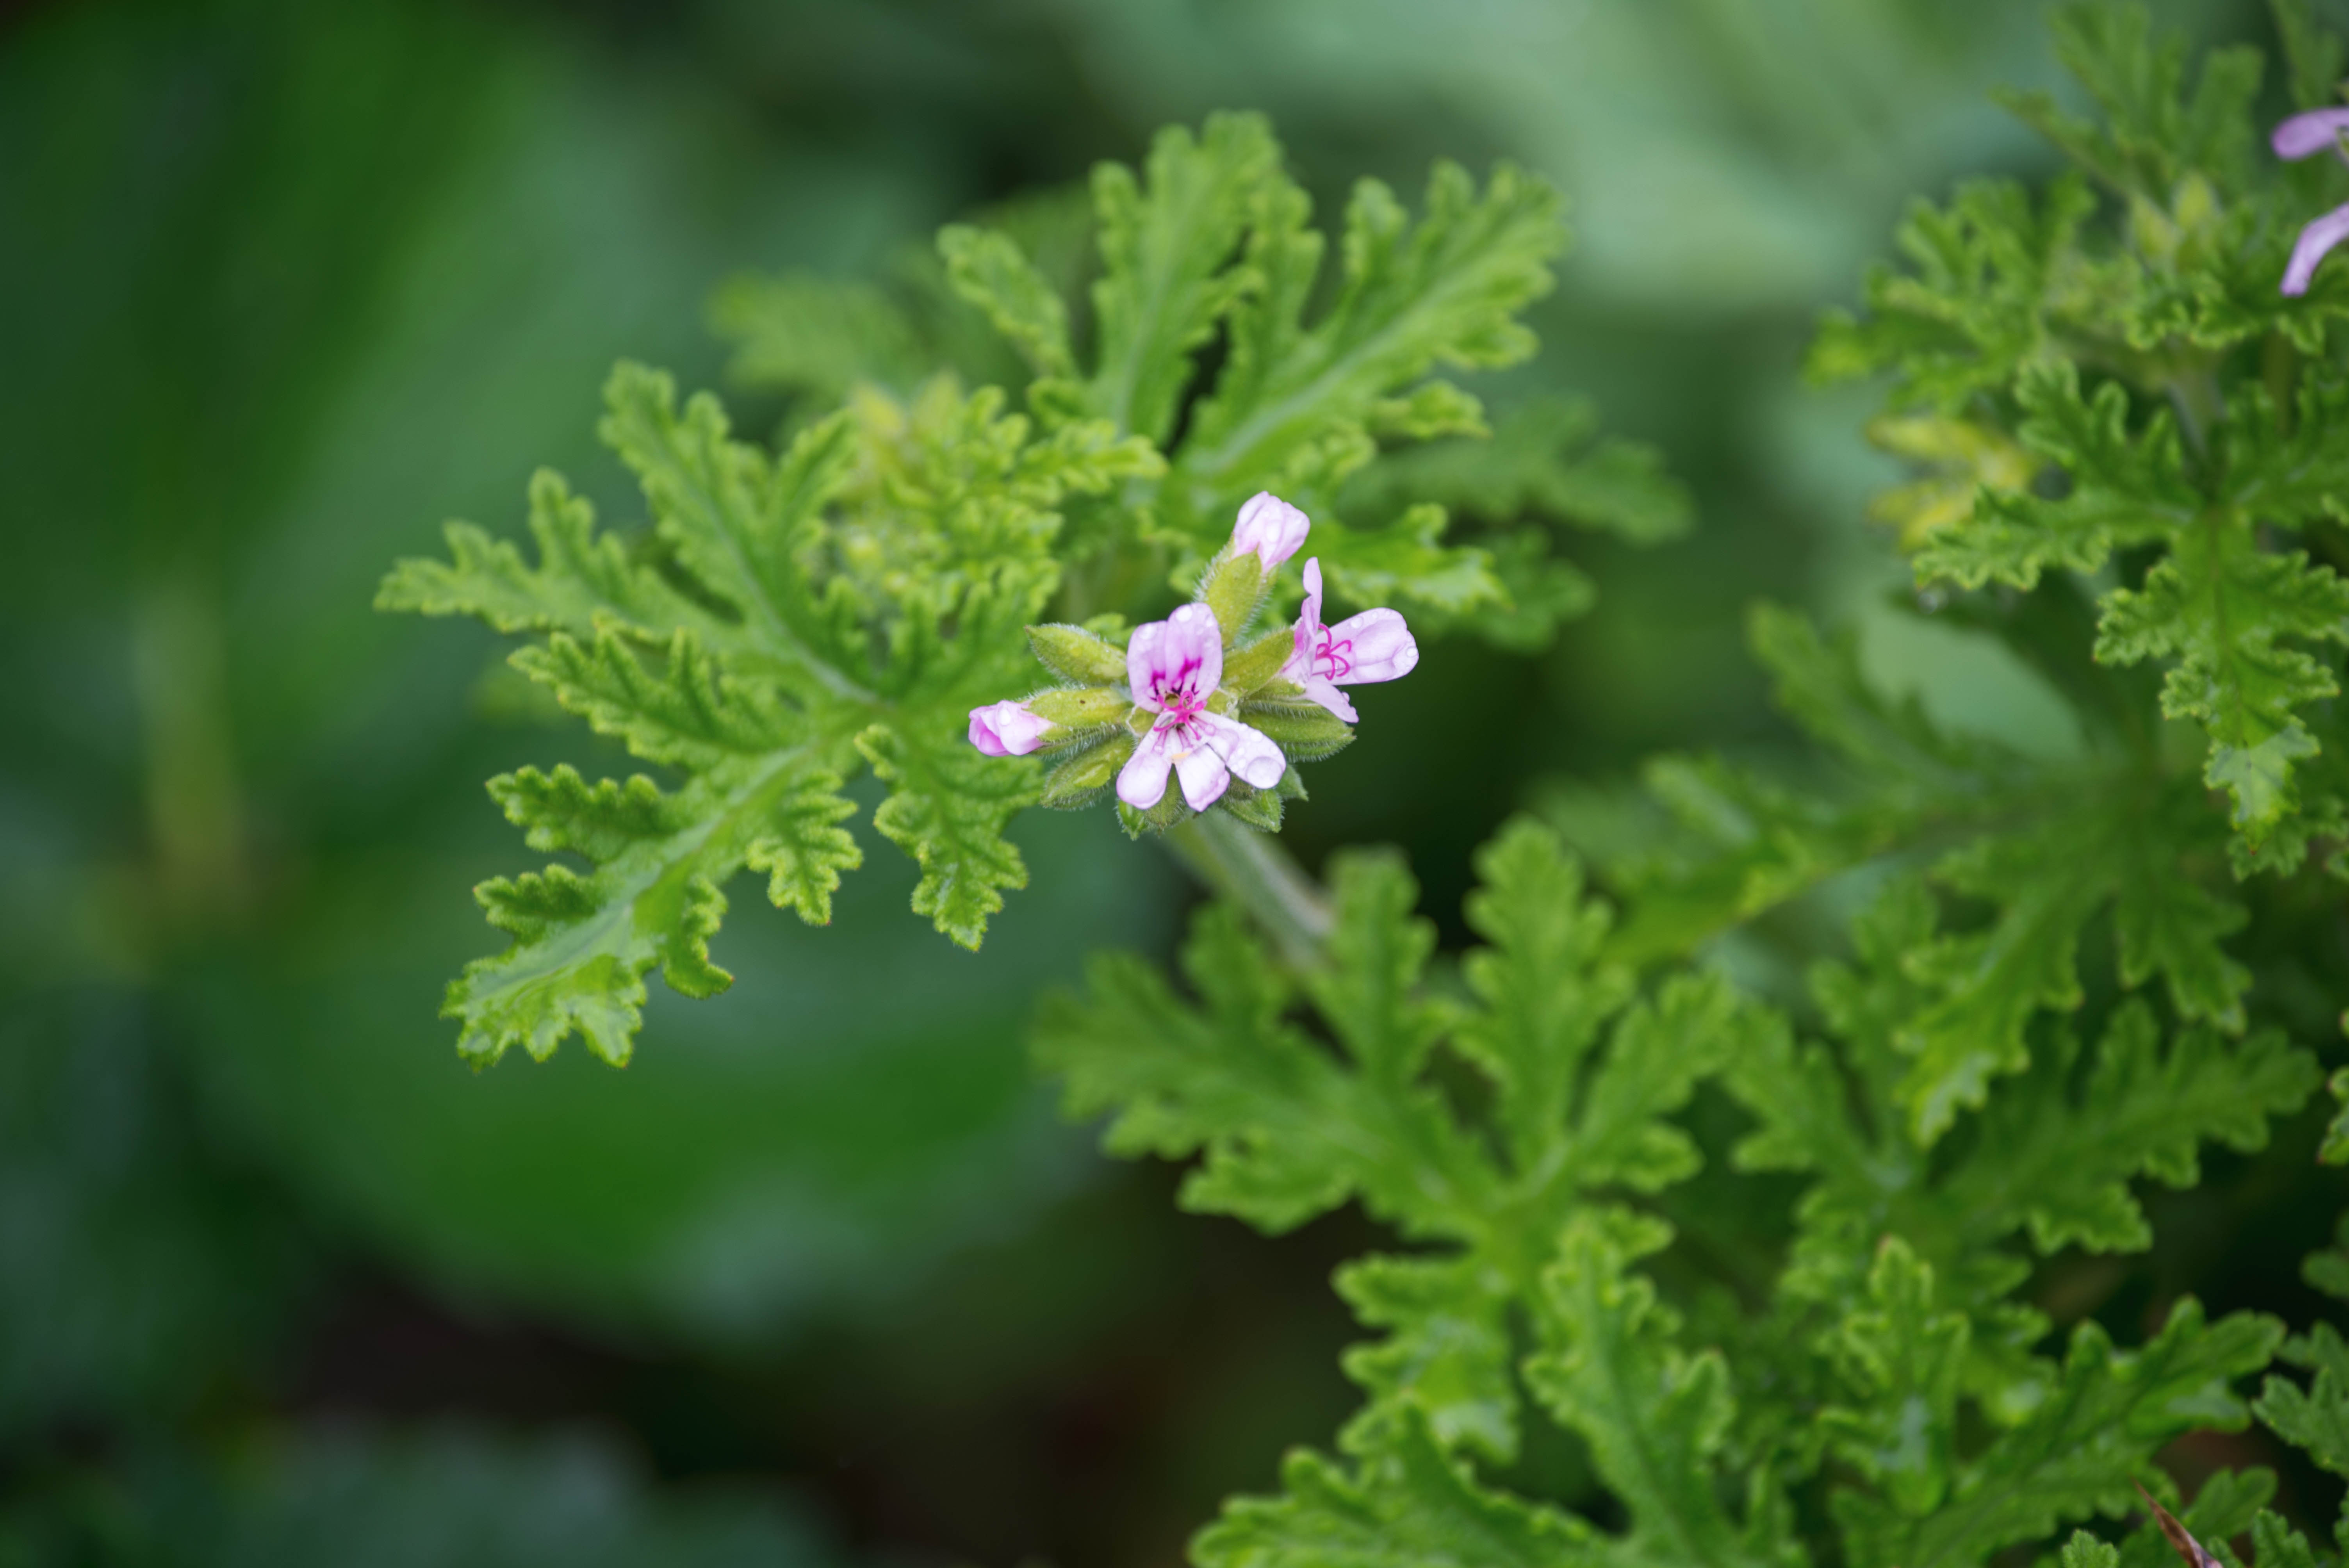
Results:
x,y
1271,527
1374,645
1007,729
1175,666
2304,136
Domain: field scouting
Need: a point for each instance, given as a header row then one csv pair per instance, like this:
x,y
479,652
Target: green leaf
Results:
x,y
2155,131
2076,1453
786,618
2123,490
2085,1550
1545,458
1903,1360
1543,992
819,336
1409,296
2221,607
1656,1417
1272,1113
1446,1360
1165,243
1407,1504
987,267
2052,1155
2063,1167
582,579
1995,275
2047,883
948,807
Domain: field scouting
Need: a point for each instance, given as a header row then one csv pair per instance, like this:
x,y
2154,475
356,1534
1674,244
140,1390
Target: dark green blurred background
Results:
x,y
820,1278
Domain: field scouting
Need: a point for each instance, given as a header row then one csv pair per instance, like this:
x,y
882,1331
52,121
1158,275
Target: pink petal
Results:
x,y
1008,729
1269,526
1142,782
1309,625
1182,653
1247,750
1326,693
1383,651
2315,241
982,733
1204,777
2304,135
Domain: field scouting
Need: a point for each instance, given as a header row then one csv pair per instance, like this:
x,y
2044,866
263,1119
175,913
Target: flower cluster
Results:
x,y
2304,136
1186,697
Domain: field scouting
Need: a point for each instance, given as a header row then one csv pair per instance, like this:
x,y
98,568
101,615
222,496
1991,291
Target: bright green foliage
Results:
x,y
1324,387
2048,846
788,620
2127,330
1894,1377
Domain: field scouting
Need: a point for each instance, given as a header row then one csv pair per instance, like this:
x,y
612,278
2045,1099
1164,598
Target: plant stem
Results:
x,y
1254,873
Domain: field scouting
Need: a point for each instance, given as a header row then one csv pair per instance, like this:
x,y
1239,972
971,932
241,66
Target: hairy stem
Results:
x,y
1254,873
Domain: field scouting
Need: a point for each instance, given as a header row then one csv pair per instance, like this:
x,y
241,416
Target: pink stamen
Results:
x,y
1331,656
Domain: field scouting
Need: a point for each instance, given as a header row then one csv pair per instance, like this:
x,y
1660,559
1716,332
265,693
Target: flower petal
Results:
x,y
982,733
1142,782
1269,526
1008,729
1382,648
1204,777
1325,692
1309,627
2315,241
2305,135
1247,750
1182,653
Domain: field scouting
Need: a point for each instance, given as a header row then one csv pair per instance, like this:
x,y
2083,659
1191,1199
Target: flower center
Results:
x,y
1183,706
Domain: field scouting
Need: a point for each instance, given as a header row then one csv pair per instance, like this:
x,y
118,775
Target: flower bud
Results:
x,y
1270,529
1007,729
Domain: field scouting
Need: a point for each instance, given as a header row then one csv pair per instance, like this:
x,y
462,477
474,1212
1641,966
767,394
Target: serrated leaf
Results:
x,y
1545,458
2064,1169
1445,290
1407,1504
583,579
948,807
1165,243
1656,1417
2123,490
987,267
2099,1426
1904,1360
584,943
2221,607
857,590
821,336
1446,1358
1544,995
2155,130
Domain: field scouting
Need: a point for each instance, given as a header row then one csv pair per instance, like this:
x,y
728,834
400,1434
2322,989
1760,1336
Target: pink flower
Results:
x,y
1374,645
1175,666
1271,527
2304,136
1008,729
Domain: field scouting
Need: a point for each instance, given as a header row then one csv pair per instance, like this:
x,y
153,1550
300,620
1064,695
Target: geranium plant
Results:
x,y
1771,1266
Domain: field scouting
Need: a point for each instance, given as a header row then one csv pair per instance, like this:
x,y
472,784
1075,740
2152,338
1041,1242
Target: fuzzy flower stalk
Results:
x,y
1195,700
2305,136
